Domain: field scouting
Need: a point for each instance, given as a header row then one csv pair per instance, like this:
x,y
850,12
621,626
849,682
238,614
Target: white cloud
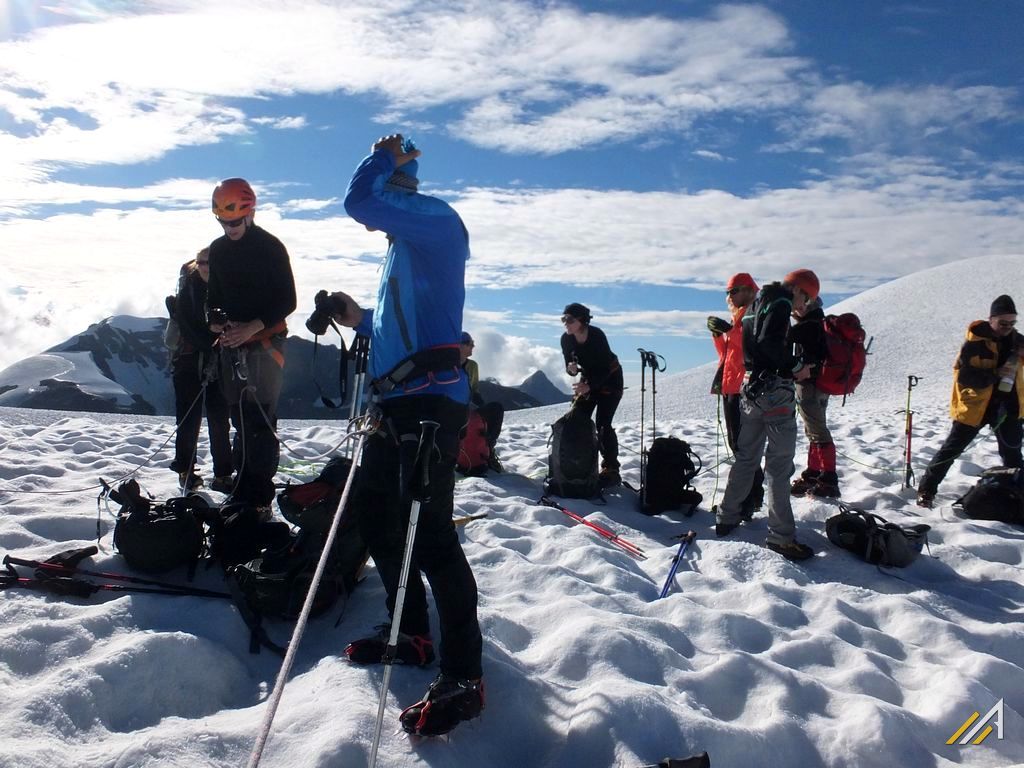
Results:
x,y
510,359
890,218
283,123
525,77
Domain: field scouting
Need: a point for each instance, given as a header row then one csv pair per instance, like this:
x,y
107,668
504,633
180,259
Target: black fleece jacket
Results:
x,y
251,278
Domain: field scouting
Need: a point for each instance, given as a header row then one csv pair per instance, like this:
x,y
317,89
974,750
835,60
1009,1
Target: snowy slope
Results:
x,y
760,661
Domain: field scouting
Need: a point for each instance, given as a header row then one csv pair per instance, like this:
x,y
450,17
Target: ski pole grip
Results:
x,y
421,469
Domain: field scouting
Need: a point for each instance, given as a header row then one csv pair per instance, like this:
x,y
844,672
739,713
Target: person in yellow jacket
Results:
x,y
988,388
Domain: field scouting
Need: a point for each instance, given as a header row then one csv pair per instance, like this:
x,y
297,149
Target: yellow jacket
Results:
x,y
975,375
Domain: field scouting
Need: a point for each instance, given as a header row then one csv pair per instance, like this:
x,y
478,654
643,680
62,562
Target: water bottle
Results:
x,y
1007,379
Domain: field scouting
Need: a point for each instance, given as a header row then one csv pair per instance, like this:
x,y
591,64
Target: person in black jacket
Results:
x,y
808,337
194,373
251,293
768,415
587,354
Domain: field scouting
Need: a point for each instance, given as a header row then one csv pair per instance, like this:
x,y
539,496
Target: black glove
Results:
x,y
718,326
171,302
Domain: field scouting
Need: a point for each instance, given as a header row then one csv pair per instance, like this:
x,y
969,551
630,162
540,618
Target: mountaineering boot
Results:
x,y
750,508
190,481
792,550
447,703
609,476
417,650
724,529
803,484
223,484
827,486
925,499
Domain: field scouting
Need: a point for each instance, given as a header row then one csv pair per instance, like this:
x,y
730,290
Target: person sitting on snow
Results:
x,y
492,413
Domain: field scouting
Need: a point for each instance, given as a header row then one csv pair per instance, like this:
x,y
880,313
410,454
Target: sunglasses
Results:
x,y
231,222
734,291
1007,323
568,319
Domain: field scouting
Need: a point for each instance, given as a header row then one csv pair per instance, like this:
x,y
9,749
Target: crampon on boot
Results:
x,y
448,702
416,650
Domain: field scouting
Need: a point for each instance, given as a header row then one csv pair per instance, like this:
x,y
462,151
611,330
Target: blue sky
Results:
x,y
627,155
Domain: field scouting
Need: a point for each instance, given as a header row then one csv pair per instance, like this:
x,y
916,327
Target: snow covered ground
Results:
x,y
757,660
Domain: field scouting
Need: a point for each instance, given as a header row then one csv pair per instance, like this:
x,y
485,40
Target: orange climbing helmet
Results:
x,y
233,198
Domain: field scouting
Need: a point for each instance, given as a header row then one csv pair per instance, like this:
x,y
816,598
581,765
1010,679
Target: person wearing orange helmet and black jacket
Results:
x,y
768,416
741,290
251,293
586,351
808,337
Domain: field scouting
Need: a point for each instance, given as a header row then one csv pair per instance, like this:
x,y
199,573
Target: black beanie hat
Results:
x,y
578,311
1003,305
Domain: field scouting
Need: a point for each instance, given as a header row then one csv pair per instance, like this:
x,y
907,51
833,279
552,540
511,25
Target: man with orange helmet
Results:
x,y
251,292
808,336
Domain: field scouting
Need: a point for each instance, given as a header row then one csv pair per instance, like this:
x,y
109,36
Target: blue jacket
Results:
x,y
422,287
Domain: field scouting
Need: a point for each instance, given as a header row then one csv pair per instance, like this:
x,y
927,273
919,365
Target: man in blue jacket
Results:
x,y
415,366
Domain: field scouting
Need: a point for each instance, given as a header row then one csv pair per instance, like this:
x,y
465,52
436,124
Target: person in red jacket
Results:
x,y
740,292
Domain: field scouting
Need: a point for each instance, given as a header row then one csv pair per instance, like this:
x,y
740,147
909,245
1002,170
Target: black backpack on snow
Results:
x,y
667,473
275,581
573,458
998,495
874,539
155,538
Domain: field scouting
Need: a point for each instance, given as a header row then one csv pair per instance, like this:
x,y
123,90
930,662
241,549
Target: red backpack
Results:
x,y
843,368
474,452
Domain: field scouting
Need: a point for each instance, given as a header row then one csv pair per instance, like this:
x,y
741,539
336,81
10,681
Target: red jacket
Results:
x,y
730,356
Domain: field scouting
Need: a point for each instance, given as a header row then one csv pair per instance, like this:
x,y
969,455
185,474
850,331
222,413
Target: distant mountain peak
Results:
x,y
539,386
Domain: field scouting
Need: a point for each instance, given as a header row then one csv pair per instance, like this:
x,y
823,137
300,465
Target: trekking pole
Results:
x,y
614,538
420,494
687,537
300,625
56,570
67,586
908,473
643,450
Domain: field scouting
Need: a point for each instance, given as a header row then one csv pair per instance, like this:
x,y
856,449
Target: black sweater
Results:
x,y
251,278
808,338
594,357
